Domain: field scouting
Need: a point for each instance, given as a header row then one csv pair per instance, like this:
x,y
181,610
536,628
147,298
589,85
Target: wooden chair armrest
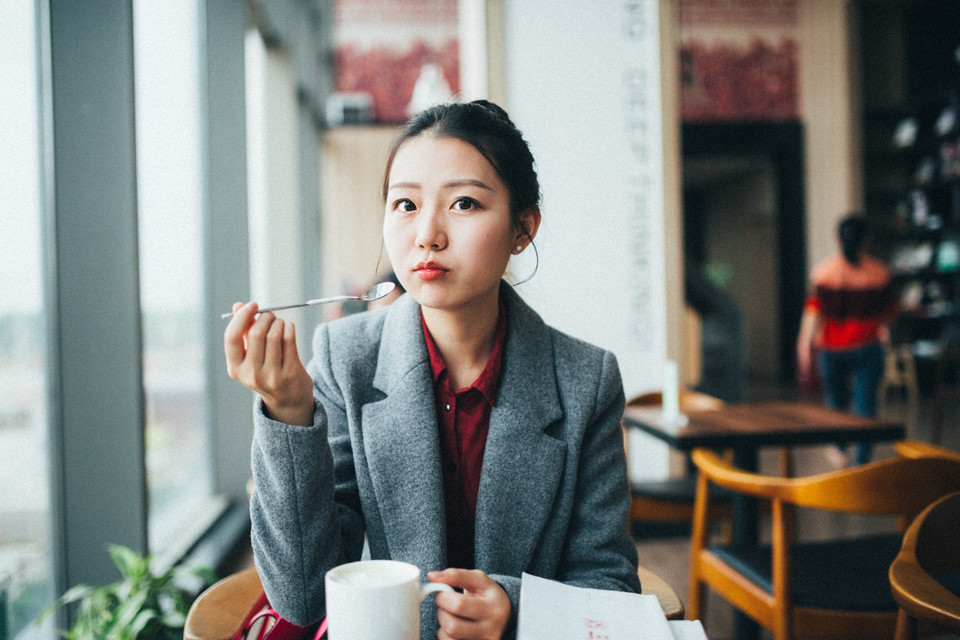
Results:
x,y
653,584
927,546
919,449
921,595
225,608
721,472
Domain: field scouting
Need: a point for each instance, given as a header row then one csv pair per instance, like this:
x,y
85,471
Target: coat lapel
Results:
x,y
522,465
402,445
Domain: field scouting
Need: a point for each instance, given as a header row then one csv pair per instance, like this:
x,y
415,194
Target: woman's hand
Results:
x,y
262,354
481,612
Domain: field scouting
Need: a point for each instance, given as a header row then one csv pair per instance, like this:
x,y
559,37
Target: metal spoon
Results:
x,y
376,291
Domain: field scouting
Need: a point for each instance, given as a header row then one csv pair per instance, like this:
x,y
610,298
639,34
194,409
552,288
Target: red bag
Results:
x,y
266,624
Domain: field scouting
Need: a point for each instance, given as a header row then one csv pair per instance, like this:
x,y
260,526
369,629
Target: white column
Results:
x,y
583,84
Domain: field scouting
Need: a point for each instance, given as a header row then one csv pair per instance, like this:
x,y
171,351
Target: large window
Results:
x,y
25,567
124,233
169,195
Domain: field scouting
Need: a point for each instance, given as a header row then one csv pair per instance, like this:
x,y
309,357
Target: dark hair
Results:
x,y
852,231
490,131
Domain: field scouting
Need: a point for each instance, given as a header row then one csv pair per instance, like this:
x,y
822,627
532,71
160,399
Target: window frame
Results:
x,y
91,280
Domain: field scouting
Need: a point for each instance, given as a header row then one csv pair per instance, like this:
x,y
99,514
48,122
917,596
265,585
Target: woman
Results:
x,y
453,429
851,300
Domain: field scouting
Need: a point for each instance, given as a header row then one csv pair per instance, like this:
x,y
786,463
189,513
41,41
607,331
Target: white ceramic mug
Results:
x,y
376,600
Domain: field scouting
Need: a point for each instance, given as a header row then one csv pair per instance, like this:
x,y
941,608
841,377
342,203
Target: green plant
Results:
x,y
140,606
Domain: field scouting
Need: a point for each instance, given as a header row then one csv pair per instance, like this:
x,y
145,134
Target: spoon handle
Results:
x,y
308,303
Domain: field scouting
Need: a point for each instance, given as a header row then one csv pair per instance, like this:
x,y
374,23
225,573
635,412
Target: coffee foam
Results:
x,y
367,577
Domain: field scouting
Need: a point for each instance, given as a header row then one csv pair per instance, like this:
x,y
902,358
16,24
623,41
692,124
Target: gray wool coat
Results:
x,y
553,496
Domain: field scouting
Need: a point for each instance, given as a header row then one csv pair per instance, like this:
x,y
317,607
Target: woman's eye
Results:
x,y
404,206
465,204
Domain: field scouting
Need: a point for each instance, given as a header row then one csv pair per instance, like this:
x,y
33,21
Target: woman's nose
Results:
x,y
431,234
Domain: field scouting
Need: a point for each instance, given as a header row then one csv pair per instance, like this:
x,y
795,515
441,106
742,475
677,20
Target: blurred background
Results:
x,y
159,161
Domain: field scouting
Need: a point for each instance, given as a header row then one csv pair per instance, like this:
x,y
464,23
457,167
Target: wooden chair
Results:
x,y
835,588
227,607
900,378
919,449
671,500
925,576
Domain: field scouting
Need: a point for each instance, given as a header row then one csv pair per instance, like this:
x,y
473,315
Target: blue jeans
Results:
x,y
864,368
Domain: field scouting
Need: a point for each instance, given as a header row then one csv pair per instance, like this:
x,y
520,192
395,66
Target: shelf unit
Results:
x,y
912,173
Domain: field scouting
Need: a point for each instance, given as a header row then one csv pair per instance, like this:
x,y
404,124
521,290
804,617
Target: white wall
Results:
x,y
583,84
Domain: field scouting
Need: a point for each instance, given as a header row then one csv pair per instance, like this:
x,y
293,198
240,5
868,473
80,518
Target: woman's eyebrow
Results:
x,y
468,182
452,184
403,185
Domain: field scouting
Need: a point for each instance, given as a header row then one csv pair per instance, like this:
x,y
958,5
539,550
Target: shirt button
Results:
x,y
448,407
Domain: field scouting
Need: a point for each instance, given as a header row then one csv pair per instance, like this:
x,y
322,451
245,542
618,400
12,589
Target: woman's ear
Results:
x,y
529,223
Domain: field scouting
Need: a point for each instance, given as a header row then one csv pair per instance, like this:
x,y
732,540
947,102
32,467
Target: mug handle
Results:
x,y
432,587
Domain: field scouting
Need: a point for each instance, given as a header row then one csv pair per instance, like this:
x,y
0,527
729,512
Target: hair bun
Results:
x,y
495,109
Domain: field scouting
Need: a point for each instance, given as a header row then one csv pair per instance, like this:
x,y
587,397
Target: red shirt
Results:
x,y
463,418
854,301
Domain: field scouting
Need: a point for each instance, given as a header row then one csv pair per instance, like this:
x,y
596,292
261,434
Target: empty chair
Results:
x,y
835,588
925,576
900,378
671,500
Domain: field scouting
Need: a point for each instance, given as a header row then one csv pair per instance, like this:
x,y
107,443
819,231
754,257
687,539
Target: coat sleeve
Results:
x,y
304,510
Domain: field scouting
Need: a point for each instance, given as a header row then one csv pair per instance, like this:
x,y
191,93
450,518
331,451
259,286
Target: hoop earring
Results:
x,y
536,265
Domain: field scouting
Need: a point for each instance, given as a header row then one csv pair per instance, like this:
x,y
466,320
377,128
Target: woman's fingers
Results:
x,y
290,353
261,353
257,342
254,346
234,337
273,351
481,611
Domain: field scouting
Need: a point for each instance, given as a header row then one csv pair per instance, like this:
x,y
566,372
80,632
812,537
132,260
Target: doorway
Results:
x,y
745,251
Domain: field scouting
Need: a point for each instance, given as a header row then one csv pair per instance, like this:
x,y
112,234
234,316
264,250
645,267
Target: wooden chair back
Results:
x,y
688,400
224,609
919,449
670,501
929,550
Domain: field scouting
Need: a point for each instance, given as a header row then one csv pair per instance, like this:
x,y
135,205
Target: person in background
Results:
x,y
846,318
452,429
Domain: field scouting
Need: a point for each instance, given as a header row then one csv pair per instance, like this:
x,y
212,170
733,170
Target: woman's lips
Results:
x,y
429,271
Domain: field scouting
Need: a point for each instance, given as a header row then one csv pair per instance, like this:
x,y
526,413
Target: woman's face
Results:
x,y
447,225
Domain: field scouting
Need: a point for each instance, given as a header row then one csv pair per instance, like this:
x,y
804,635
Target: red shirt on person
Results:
x,y
854,301
463,417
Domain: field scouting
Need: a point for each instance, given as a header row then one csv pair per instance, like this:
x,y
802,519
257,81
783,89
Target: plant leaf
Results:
x,y
141,621
140,606
131,565
130,608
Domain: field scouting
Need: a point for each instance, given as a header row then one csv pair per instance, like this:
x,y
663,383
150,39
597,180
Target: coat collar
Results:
x,y
522,463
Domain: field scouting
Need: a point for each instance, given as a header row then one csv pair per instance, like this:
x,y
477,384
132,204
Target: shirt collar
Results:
x,y
486,382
